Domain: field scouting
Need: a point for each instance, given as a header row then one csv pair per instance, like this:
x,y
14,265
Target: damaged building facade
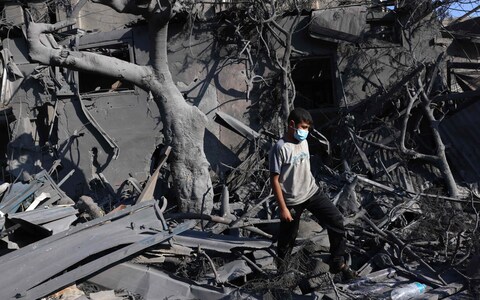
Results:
x,y
332,73
376,78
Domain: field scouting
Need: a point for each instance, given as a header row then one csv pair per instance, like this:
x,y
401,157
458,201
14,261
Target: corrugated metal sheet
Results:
x,y
411,176
461,135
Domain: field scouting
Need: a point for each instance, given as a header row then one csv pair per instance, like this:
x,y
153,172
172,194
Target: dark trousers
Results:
x,y
328,217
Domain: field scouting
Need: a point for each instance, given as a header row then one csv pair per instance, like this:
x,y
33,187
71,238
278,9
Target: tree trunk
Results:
x,y
440,151
440,159
183,124
183,128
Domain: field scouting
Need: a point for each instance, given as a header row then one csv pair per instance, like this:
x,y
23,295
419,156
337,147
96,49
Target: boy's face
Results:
x,y
302,125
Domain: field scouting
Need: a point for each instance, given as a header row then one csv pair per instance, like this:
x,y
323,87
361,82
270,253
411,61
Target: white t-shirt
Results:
x,y
292,162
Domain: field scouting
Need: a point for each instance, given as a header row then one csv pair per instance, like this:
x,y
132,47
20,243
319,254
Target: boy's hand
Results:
x,y
285,215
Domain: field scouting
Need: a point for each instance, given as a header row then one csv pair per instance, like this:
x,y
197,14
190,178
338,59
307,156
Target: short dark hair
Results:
x,y
299,114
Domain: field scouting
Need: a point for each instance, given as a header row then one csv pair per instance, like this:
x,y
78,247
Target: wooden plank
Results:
x,y
147,193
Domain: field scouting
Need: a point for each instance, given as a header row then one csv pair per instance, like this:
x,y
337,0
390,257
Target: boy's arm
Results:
x,y
277,192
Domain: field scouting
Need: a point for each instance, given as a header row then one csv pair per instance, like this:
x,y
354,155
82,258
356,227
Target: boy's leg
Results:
x,y
332,219
287,234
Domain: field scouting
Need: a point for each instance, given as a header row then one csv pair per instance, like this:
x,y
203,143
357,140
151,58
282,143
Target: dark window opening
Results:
x,y
313,79
382,21
384,32
52,12
96,83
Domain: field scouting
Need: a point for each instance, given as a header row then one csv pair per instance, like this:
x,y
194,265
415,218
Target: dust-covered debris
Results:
x,y
134,187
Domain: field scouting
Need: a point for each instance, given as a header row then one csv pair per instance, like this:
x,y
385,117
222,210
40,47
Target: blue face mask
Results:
x,y
300,134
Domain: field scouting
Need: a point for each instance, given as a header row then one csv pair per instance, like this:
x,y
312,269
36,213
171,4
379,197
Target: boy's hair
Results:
x,y
299,114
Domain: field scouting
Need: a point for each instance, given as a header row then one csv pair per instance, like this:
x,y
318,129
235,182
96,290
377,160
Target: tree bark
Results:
x,y
440,148
183,124
440,159
184,129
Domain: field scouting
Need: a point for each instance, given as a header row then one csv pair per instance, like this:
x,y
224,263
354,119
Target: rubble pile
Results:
x,y
143,248
150,179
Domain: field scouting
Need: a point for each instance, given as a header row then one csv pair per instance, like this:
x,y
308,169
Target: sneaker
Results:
x,y
337,264
349,273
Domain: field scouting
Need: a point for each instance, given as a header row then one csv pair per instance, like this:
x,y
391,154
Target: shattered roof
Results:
x,y
471,25
344,23
468,29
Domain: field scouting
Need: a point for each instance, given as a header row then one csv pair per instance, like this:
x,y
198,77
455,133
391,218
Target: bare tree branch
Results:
x,y
440,146
81,61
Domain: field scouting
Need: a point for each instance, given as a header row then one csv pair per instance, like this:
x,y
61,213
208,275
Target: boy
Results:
x,y
295,189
